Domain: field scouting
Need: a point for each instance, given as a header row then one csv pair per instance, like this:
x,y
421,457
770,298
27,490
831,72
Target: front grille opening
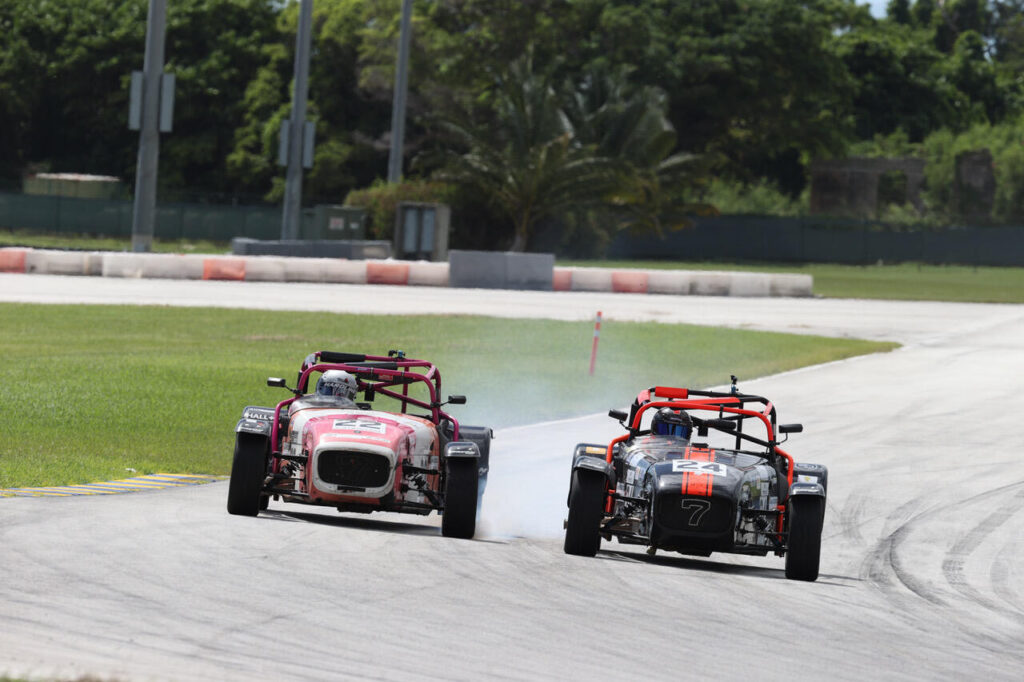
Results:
x,y
695,514
355,469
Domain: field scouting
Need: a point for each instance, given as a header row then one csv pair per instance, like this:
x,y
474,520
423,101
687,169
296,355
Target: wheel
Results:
x,y
460,499
248,470
806,515
586,508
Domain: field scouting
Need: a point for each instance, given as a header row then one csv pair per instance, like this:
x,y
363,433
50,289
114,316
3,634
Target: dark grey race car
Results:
x,y
664,487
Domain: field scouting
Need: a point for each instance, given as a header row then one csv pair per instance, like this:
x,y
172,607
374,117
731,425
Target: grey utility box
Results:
x,y
337,222
421,231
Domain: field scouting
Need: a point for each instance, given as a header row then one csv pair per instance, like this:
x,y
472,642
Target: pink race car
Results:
x,y
325,447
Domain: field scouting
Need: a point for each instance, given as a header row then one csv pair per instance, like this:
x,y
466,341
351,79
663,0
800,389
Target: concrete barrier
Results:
x,y
427,274
501,270
387,272
64,262
416,273
13,260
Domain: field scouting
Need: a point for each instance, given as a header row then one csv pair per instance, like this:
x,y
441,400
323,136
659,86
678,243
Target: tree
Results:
x,y
526,158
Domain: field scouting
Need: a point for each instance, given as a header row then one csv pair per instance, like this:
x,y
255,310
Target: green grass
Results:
x,y
907,281
92,392
38,240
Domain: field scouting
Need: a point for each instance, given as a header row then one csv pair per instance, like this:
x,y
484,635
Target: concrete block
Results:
x,y
265,269
629,281
501,270
427,274
561,279
711,283
675,282
387,272
591,279
45,262
13,260
785,284
341,271
749,284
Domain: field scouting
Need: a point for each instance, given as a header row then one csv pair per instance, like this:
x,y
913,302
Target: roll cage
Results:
x,y
732,409
377,374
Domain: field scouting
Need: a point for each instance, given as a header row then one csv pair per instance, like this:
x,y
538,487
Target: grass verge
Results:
x,y
96,392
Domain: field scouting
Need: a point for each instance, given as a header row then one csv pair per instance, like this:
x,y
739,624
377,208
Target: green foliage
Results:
x,y
165,386
381,201
760,197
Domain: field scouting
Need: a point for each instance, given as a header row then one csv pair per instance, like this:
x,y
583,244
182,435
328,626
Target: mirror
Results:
x,y
617,414
791,428
275,381
457,399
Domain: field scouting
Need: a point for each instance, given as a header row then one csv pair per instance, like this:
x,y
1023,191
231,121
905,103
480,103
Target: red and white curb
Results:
x,y
393,272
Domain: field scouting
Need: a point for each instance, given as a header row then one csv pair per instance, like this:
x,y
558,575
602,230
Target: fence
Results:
x,y
113,218
727,238
809,240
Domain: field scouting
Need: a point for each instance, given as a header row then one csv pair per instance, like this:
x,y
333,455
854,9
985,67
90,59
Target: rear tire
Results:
x,y
586,508
806,515
248,470
460,499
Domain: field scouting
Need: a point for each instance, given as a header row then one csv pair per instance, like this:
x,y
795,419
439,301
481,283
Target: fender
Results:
x,y
462,450
807,490
595,463
816,474
255,426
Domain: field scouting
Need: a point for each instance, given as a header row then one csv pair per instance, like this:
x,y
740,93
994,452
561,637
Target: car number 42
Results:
x,y
694,467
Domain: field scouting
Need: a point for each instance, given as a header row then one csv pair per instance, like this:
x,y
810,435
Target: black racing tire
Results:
x,y
248,471
586,508
803,553
460,499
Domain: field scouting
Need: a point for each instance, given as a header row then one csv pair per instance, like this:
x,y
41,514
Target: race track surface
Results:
x,y
922,574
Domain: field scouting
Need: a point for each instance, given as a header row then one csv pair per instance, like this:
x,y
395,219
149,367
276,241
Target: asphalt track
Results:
x,y
922,561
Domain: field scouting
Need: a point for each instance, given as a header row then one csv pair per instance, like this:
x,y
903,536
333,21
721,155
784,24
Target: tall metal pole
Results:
x,y
401,87
144,209
296,125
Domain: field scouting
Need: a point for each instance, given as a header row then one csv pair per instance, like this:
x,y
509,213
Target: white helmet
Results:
x,y
336,382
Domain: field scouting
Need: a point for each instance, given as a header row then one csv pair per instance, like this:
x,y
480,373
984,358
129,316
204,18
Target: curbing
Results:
x,y
393,272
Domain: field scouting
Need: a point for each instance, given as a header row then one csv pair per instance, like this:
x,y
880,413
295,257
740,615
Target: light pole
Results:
x,y
297,125
144,207
398,103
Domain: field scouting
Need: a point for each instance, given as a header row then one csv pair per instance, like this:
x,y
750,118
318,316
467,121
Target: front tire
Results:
x,y
460,499
806,516
586,508
248,470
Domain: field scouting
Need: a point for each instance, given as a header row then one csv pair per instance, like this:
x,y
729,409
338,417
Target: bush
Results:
x,y
382,198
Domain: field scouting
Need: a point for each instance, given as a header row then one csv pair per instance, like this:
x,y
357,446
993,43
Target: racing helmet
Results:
x,y
336,382
669,422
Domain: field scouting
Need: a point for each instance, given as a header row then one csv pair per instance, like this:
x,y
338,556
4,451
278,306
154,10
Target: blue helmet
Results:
x,y
669,422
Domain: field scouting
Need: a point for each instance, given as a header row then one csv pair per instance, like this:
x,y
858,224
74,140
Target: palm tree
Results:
x,y
526,156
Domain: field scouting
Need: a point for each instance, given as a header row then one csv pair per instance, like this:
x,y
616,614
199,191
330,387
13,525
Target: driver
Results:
x,y
669,422
335,388
338,384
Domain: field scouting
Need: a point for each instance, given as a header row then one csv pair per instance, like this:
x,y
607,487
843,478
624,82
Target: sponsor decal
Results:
x,y
804,478
591,450
261,415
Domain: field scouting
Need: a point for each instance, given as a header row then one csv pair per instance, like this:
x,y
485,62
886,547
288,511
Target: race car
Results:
x,y
667,487
323,447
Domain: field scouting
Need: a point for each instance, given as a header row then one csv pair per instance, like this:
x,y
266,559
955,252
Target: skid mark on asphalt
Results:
x,y
125,485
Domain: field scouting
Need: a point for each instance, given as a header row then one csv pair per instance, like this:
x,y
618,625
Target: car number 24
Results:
x,y
692,466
